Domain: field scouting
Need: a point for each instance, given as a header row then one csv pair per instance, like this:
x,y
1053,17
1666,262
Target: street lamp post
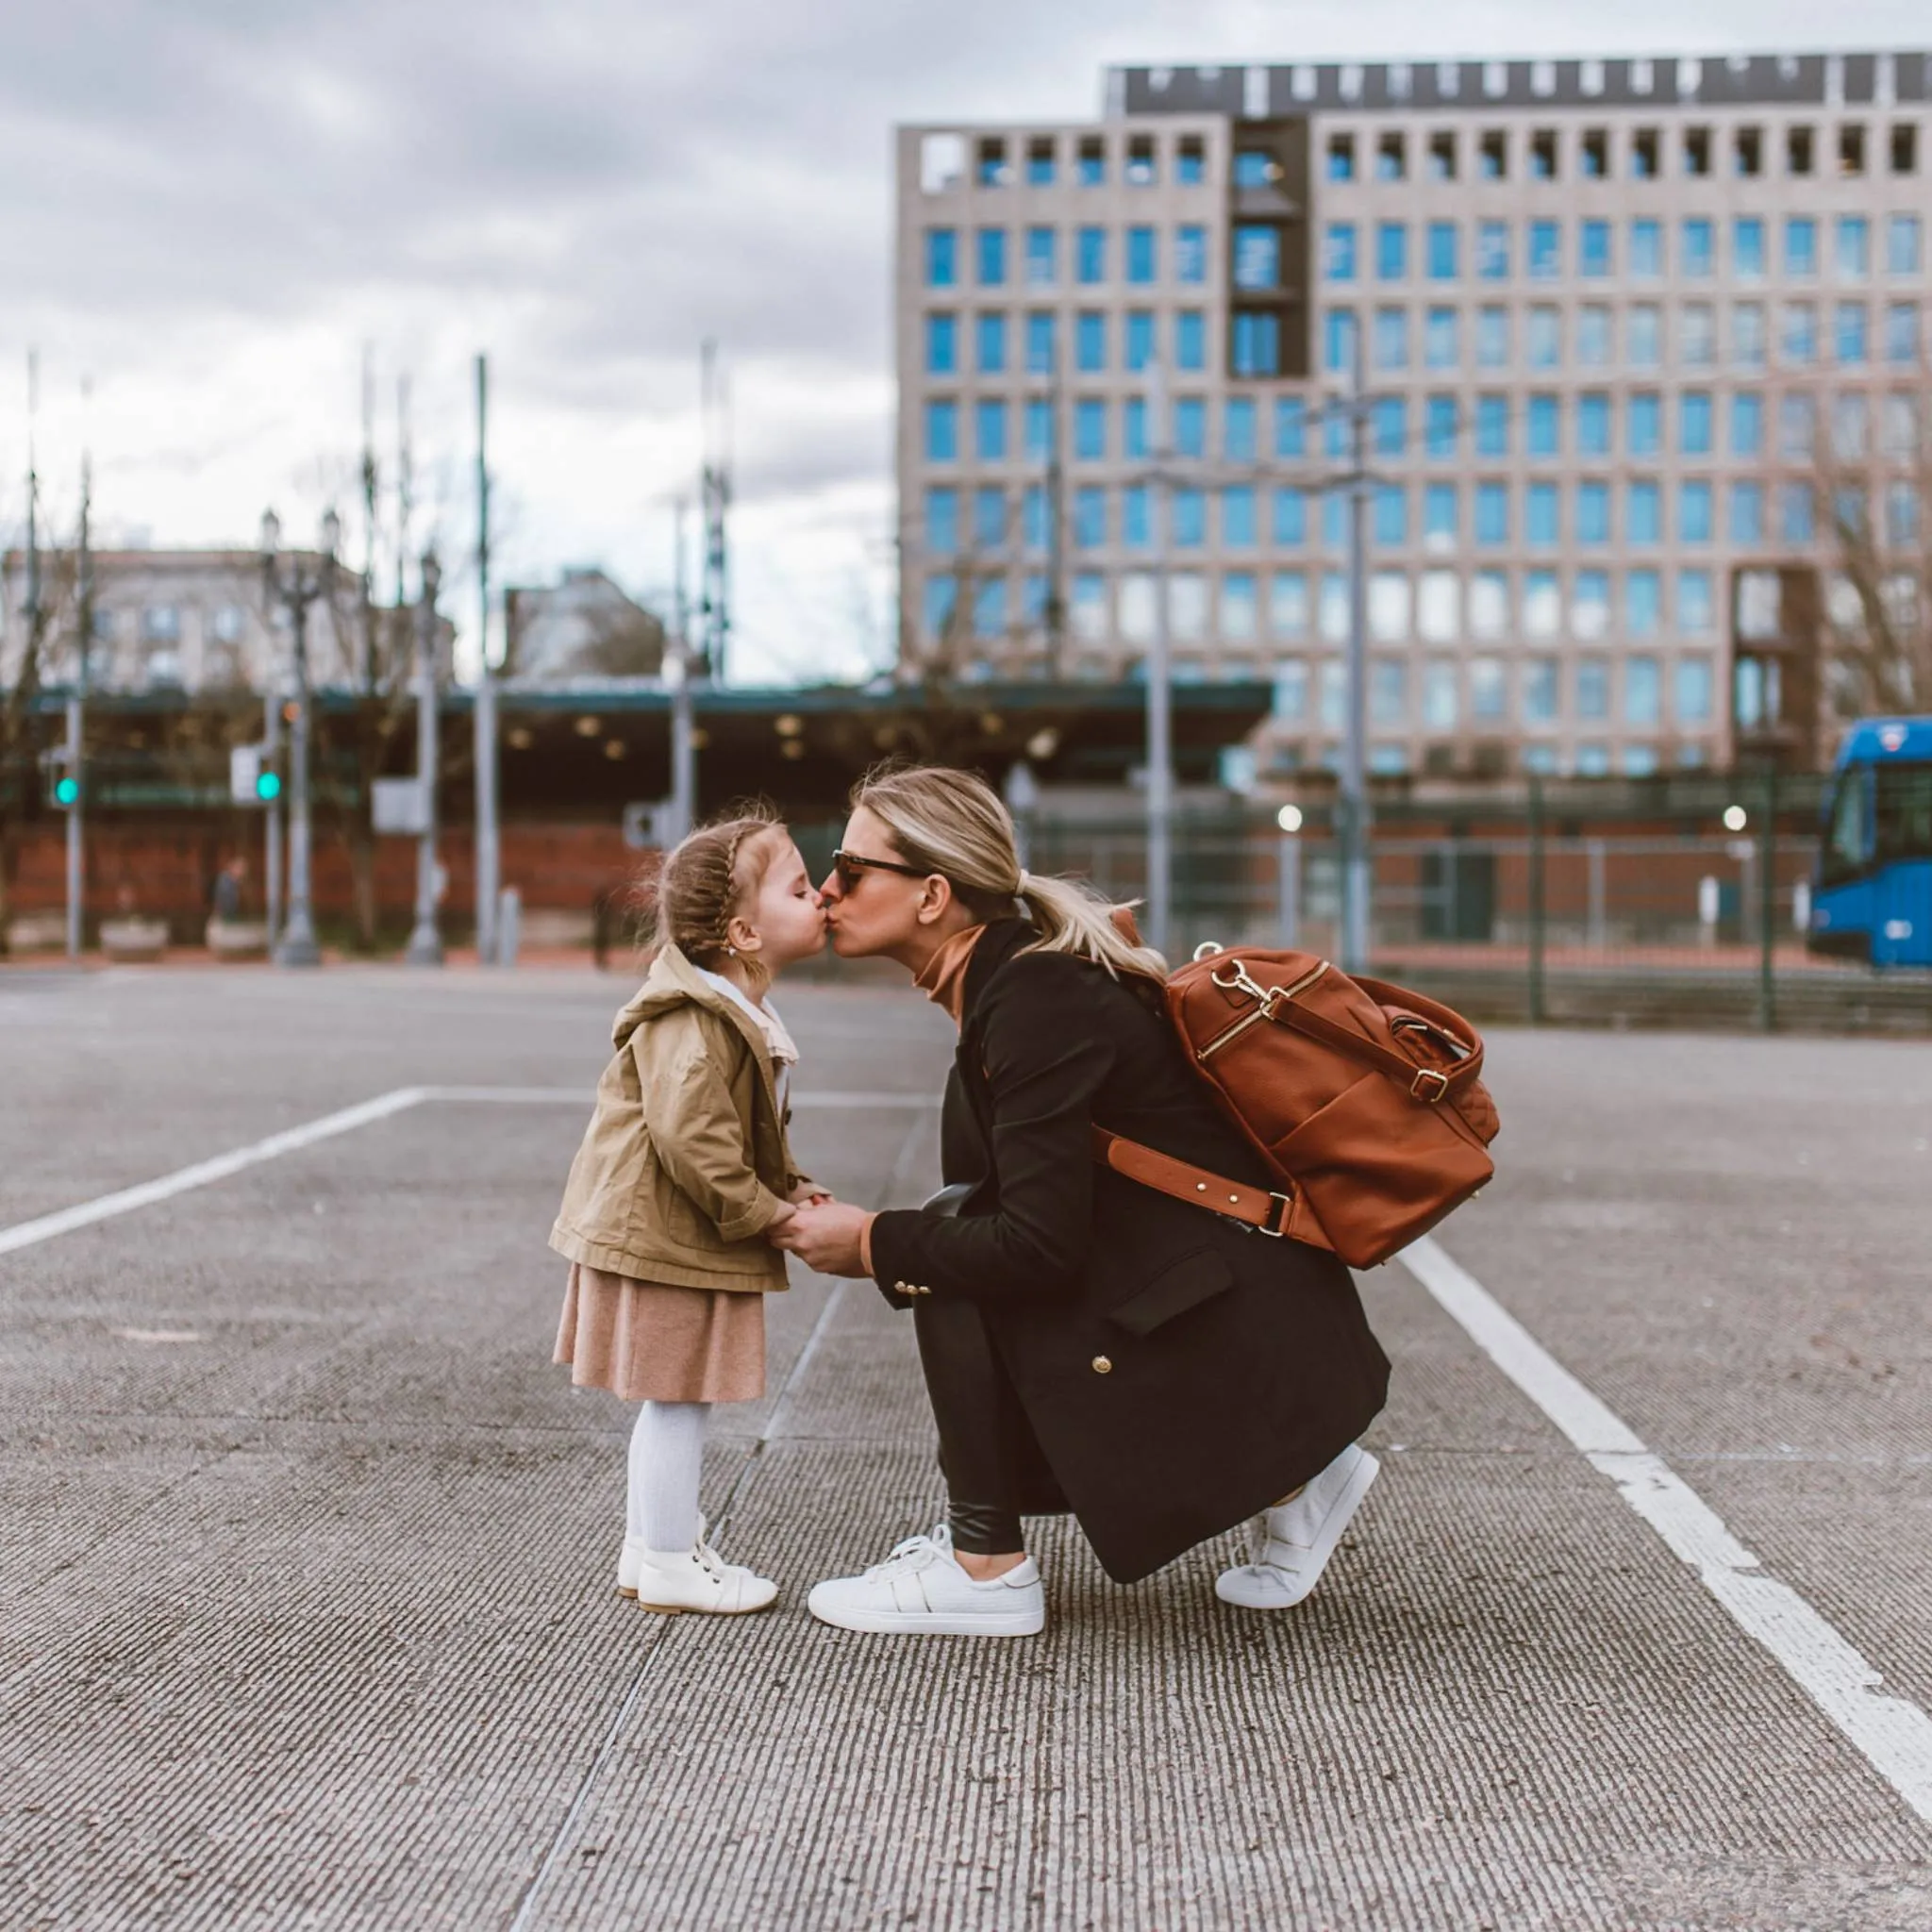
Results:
x,y
426,942
1159,675
296,589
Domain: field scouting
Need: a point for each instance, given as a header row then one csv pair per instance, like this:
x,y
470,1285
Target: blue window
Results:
x,y
1900,331
1854,344
1852,248
1089,256
1795,514
1801,246
1646,249
1698,246
1090,430
1190,340
1493,339
1040,429
1492,251
1693,513
989,343
1644,606
1091,167
1901,244
1257,256
1089,341
1441,515
1593,423
1337,254
1140,339
1642,690
1593,250
1442,348
1439,428
1189,509
943,521
1747,513
1593,512
1391,338
1747,424
989,430
1339,332
1545,426
1190,427
1033,516
1694,422
1136,517
1644,433
1492,425
1256,342
1388,426
1240,436
942,345
1392,252
1033,600
1546,251
989,517
1491,514
1238,517
1189,164
1696,606
1134,427
1543,518
1644,519
1443,266
1545,344
1392,514
1140,256
941,593
1290,515
1040,164
941,432
941,257
1040,344
1090,517
1335,519
1042,268
1191,254
1747,247
992,257
1693,694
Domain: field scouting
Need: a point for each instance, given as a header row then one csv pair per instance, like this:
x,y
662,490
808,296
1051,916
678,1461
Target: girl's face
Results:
x,y
784,917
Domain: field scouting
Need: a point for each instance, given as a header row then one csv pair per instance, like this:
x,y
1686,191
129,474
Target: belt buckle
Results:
x,y
1279,1219
1422,1073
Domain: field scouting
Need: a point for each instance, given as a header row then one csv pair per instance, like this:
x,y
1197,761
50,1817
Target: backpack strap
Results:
x,y
1275,1214
1426,1084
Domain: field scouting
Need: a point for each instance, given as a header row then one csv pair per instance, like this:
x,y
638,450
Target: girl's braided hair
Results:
x,y
705,878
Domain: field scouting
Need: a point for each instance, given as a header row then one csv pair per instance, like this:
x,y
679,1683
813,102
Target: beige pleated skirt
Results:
x,y
650,1341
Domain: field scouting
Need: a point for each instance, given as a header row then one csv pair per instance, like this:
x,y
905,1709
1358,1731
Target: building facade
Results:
x,y
1623,336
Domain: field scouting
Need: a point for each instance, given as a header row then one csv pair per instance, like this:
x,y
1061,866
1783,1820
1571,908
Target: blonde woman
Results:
x,y
1087,1343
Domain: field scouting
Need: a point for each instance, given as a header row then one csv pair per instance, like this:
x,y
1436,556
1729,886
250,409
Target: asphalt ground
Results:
x,y
305,1616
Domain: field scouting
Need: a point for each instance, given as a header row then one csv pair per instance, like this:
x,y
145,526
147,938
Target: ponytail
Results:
x,y
1070,919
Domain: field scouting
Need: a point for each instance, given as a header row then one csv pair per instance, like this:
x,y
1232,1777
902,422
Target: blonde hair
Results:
x,y
705,879
954,823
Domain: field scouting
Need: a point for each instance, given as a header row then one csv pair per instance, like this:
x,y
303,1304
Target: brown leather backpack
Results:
x,y
1365,1100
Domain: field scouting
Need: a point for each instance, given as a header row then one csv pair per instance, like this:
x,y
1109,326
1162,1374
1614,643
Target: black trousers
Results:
x,y
994,1466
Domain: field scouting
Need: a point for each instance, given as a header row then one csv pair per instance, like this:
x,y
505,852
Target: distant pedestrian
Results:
x,y
683,1171
227,892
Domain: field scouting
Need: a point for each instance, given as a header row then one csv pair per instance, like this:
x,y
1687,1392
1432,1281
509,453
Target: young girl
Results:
x,y
683,1173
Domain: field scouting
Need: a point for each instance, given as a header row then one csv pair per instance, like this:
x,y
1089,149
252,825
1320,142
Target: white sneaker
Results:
x,y
1292,1542
921,1589
700,1579
627,1561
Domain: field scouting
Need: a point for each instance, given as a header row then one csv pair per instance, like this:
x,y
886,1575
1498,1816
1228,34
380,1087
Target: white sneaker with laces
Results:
x,y
670,1581
919,1590
1292,1542
627,1561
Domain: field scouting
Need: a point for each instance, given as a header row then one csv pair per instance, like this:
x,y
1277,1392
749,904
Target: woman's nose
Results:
x,y
829,890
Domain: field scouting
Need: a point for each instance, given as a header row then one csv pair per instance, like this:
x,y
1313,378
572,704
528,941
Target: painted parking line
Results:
x,y
46,1227
1892,1732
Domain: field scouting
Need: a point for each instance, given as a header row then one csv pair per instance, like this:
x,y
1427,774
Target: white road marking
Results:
x,y
1892,1732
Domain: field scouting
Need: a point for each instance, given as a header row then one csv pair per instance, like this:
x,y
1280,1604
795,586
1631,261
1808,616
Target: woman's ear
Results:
x,y
934,900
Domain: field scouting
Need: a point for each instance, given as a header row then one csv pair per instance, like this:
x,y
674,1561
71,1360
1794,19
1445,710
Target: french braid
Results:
x,y
701,884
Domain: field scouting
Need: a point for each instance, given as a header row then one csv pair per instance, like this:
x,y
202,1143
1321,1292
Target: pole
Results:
x,y
76,725
1287,886
1159,693
426,942
489,865
1767,905
1056,613
683,745
1536,1013
298,946
271,819
1354,788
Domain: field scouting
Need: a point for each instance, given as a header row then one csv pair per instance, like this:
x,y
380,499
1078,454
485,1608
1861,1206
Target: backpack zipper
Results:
x,y
1228,1035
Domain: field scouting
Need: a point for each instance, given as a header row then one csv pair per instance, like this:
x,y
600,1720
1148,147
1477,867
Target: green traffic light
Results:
x,y
268,787
66,790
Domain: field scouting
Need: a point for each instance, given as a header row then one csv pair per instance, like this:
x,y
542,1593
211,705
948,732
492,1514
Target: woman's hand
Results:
x,y
825,1237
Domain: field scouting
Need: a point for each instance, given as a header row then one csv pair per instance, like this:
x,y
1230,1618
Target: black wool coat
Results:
x,y
1179,1371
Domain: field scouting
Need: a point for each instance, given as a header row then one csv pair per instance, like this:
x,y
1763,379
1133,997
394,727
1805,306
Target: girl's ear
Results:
x,y
743,935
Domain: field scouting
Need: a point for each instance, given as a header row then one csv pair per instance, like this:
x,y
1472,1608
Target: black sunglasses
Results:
x,y
849,865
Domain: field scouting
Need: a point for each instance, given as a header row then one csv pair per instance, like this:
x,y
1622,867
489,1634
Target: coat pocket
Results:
x,y
1182,1285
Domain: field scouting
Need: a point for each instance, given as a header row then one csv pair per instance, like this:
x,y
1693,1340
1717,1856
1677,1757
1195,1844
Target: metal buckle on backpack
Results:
x,y
1280,1219
1422,1073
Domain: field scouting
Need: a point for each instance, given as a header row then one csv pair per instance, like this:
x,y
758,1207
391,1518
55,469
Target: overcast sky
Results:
x,y
209,206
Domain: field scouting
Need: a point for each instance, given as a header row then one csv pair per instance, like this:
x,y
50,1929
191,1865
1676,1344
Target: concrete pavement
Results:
x,y
307,1607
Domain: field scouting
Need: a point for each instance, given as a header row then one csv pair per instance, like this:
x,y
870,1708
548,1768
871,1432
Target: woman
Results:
x,y
1087,1343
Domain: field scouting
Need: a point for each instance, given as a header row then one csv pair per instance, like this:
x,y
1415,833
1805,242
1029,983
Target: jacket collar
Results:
x,y
1001,940
673,981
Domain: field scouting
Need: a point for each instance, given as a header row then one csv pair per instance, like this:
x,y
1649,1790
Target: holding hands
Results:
x,y
825,1234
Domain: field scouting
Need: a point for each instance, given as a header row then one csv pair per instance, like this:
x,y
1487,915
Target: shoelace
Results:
x,y
915,1553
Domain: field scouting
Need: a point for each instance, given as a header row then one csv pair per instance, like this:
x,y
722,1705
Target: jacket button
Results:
x,y
1102,1366
898,1288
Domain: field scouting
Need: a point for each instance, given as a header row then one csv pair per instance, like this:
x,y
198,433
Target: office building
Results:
x,y
1631,333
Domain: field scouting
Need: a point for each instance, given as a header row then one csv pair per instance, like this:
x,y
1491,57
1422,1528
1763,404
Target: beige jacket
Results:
x,y
686,1159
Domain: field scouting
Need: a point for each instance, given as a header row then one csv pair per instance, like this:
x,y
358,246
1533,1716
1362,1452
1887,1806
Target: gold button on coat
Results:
x,y
1102,1366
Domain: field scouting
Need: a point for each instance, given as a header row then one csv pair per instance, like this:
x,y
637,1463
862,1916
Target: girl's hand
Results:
x,y
826,1238
786,1214
806,1192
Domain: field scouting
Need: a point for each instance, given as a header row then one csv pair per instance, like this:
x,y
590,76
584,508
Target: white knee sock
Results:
x,y
667,1456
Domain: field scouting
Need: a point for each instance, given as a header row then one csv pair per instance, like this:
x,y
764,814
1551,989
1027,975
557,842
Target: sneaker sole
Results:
x,y
627,1589
1359,1483
701,1609
898,1624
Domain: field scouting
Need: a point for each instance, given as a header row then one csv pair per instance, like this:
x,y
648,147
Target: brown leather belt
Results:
x,y
1277,1214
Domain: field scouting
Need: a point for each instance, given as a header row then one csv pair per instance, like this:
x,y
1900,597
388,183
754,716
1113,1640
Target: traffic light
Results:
x,y
60,779
254,776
